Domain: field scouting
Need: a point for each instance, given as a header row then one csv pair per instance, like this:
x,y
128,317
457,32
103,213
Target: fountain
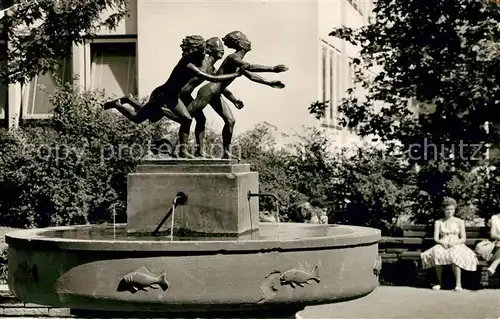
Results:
x,y
216,261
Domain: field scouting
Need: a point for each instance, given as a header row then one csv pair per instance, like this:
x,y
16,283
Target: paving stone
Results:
x,y
34,305
60,312
11,304
26,312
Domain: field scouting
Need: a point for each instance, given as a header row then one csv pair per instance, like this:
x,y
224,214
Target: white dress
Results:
x,y
460,254
495,223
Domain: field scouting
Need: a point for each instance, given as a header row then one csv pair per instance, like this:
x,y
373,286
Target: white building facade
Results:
x,y
140,54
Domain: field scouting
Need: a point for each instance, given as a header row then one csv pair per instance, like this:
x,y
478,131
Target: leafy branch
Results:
x,y
40,33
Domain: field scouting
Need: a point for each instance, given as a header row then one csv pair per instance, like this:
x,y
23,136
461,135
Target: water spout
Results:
x,y
276,214
179,199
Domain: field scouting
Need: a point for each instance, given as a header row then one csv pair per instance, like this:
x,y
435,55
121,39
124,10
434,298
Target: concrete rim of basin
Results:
x,y
355,236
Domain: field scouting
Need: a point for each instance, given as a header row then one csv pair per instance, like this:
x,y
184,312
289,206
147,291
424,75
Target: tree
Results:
x,y
40,32
445,57
444,53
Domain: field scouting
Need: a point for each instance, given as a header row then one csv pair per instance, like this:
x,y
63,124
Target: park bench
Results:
x,y
412,240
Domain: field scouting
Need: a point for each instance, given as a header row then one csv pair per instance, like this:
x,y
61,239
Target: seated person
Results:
x,y
450,248
495,236
307,213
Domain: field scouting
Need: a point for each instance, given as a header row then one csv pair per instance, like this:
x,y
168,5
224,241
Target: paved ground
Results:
x,y
409,303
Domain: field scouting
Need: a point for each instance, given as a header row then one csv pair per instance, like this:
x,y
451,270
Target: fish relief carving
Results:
x,y
297,277
143,279
294,277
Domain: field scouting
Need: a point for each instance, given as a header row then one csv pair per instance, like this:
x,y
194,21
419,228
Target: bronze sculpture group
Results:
x,y
173,99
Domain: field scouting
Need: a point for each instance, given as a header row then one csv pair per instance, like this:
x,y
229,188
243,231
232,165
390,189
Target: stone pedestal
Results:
x,y
217,193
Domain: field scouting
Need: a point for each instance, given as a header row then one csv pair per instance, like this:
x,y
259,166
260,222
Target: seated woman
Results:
x,y
450,248
495,235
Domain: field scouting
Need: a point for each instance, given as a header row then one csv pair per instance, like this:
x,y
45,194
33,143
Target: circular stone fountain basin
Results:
x,y
101,268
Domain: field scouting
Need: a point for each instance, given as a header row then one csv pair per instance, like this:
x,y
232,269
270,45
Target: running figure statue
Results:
x,y
188,68
210,93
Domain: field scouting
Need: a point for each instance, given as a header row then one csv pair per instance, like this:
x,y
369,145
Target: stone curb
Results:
x,y
5,293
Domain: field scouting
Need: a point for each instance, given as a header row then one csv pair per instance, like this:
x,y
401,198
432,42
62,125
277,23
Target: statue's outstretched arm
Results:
x,y
256,67
213,78
257,78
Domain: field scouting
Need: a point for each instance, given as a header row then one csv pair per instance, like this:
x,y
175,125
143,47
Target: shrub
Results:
x,y
312,170
72,170
468,187
487,195
374,189
3,265
260,148
366,188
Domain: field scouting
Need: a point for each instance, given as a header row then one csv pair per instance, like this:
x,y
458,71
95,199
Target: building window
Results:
x,y
324,75
333,110
4,87
339,87
351,82
36,94
331,81
113,68
328,81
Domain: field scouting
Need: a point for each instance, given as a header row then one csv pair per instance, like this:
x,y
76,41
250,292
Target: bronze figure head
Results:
x,y
237,40
215,47
194,47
